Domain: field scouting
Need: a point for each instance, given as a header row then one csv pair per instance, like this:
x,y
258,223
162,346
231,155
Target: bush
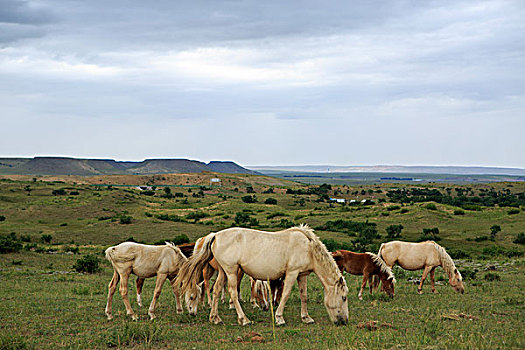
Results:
x,y
270,201
429,234
25,238
468,274
125,219
196,216
332,245
285,223
492,277
2,218
88,264
180,239
9,244
513,211
458,254
167,217
249,199
481,238
46,239
520,238
393,207
59,192
394,231
403,211
459,212
430,206
273,215
74,193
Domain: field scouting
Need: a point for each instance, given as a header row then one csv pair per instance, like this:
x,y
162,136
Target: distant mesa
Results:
x,y
87,167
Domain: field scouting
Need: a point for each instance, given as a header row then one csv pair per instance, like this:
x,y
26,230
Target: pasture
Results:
x,y
46,304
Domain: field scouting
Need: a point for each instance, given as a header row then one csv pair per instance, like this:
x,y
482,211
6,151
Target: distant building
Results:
x,y
338,200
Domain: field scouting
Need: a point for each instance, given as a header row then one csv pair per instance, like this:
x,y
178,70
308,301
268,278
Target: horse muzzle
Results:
x,y
341,321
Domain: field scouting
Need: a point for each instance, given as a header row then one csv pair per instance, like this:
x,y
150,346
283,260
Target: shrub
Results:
x,y
2,218
429,234
394,231
270,201
285,223
88,264
25,238
458,254
148,193
46,238
182,238
125,219
494,229
430,206
471,207
403,211
468,274
167,217
459,212
513,211
9,244
332,245
393,207
74,193
273,215
520,238
59,192
491,277
249,199
196,215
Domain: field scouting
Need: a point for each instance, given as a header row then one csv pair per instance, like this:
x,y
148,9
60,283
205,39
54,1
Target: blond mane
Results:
x,y
176,249
320,253
382,266
446,262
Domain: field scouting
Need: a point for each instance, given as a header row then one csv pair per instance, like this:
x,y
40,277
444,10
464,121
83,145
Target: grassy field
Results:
x,y
46,304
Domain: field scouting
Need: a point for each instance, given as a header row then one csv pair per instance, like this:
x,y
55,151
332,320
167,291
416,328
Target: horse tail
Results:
x,y
380,250
191,271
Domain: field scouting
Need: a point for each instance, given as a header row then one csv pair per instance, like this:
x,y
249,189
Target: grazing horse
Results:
x,y
425,255
293,254
368,265
146,261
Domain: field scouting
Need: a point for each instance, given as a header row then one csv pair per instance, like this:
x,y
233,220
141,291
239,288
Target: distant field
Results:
x,y
46,304
357,178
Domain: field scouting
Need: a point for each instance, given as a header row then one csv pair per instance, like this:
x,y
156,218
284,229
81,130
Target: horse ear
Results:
x,y
337,255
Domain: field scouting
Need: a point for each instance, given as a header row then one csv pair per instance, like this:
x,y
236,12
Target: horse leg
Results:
x,y
365,278
234,295
177,296
140,283
289,280
123,289
206,276
161,278
240,275
217,287
253,298
432,279
111,290
425,273
370,283
302,282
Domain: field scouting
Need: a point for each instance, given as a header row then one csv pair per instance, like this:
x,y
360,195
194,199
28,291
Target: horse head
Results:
x,y
192,298
336,302
387,284
457,282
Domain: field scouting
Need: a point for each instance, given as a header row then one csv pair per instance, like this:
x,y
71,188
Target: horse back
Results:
x,y
410,256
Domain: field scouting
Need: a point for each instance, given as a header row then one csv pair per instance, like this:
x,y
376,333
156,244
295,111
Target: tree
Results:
x,y
494,229
394,231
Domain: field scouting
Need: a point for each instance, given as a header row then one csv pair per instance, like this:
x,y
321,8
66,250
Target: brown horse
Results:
x,y
367,265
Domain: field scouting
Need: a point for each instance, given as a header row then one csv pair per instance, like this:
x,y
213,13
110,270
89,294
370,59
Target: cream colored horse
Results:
x,y
293,254
425,255
146,261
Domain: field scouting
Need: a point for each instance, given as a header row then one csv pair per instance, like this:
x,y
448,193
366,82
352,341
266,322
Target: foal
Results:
x,y
146,261
368,265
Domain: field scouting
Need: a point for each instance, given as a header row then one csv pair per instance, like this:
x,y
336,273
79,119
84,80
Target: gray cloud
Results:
x,y
361,82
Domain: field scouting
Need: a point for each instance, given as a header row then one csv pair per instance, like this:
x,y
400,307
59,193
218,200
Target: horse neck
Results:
x,y
327,275
446,262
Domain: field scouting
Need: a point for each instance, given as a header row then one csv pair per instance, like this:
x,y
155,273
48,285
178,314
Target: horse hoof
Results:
x,y
244,322
280,321
180,311
110,317
360,297
419,292
134,317
308,320
215,319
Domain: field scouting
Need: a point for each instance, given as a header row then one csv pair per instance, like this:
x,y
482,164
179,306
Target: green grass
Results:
x,y
45,304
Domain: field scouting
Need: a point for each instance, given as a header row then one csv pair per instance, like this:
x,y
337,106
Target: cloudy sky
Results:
x,y
265,82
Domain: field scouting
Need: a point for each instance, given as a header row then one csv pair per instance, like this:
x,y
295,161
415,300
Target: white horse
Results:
x,y
293,254
425,255
146,261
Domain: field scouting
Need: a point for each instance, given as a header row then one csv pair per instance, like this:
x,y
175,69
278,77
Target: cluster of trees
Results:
x,y
486,198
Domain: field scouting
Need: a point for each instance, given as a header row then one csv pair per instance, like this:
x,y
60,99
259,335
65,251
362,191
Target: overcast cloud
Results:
x,y
265,82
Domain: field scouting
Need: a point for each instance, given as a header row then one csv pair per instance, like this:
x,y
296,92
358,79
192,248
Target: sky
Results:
x,y
265,82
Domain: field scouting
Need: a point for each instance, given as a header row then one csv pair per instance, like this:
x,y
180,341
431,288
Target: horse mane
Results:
x,y
446,261
382,266
177,250
320,252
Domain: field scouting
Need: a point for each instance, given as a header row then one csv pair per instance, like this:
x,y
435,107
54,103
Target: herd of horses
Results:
x,y
273,261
